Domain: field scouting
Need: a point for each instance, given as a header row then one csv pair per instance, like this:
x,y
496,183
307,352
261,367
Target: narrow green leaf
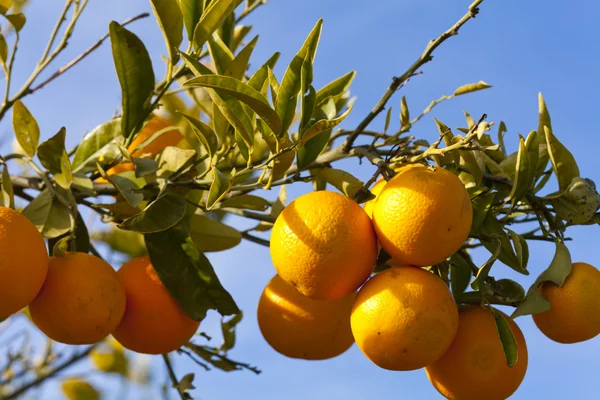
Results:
x,y
210,235
274,85
3,50
564,164
191,11
526,167
53,156
237,67
246,201
341,180
102,141
50,216
204,133
163,213
460,274
501,132
257,81
388,117
484,270
212,18
471,87
174,159
324,125
467,158
404,113
543,121
135,73
491,227
290,86
481,206
235,113
126,184
335,88
220,54
194,65
228,329
26,128
239,33
7,194
509,343
187,274
170,20
219,187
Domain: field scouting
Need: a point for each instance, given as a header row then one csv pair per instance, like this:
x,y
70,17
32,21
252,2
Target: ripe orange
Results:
x,y
474,367
153,323
323,244
423,215
376,189
23,261
404,318
299,327
575,313
81,302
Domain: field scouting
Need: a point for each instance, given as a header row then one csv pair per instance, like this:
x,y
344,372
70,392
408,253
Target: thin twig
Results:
x,y
173,377
255,239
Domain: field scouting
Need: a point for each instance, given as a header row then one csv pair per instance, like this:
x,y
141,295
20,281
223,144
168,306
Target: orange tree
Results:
x,y
210,138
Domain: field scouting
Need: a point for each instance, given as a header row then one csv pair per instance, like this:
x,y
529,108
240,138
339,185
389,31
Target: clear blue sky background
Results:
x,y
518,47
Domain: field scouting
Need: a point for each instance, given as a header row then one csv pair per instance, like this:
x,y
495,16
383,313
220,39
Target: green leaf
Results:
x,y
341,180
484,270
53,156
60,247
26,128
102,141
75,388
220,53
126,184
50,216
5,5
110,358
194,65
191,11
557,272
543,121
16,20
246,201
526,167
228,86
388,117
335,88
7,194
228,329
170,20
521,248
187,273
237,67
308,95
239,33
274,85
126,242
508,290
491,227
209,235
481,206
144,166
404,113
204,133
174,159
161,214
501,132
509,343
3,50
324,125
467,159
310,150
563,163
257,81
578,203
212,18
234,111
136,76
219,187
290,86
471,87
460,274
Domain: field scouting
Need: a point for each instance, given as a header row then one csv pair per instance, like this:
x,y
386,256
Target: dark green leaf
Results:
x,y
219,187
238,66
220,54
50,216
335,88
102,142
310,150
170,20
82,239
135,73
341,180
163,213
53,156
471,87
187,273
204,133
212,18
509,343
26,128
246,201
460,274
209,235
564,164
7,194
508,290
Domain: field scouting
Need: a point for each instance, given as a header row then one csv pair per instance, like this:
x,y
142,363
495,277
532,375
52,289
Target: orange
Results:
x,y
23,261
299,327
81,302
376,189
153,323
474,367
404,318
575,313
423,215
323,244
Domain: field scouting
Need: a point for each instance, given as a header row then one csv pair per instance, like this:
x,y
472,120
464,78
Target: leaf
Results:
x,y
335,88
520,247
242,92
135,73
170,20
75,388
16,20
209,235
161,214
53,156
174,159
388,117
481,206
310,150
194,65
212,18
274,85
110,358
102,141
187,274
204,133
239,33
257,81
308,95
492,227
246,201
564,164
82,239
234,112
5,6
238,66
144,166
26,128
219,187
404,114
50,216
126,185
191,11
290,86
460,274
127,242
526,167
484,270
341,180
3,50
557,272
509,343
228,329
185,384
220,53
471,87
468,159
7,194
508,290
501,132
324,125
543,121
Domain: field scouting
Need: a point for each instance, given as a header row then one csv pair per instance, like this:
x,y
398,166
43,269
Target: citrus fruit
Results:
x,y
575,313
404,318
23,261
299,327
474,367
376,189
81,301
323,244
423,215
153,322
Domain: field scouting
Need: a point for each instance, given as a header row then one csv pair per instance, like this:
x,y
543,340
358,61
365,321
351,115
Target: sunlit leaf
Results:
x,y
471,87
324,125
103,142
16,20
335,88
210,235
50,216
173,159
220,54
404,113
563,163
246,201
191,11
7,194
5,6
341,180
161,214
237,67
204,133
212,18
219,187
170,20
257,81
26,128
228,329
526,167
53,156
110,358
543,121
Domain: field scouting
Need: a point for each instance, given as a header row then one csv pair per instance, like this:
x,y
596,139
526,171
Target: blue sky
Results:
x,y
519,47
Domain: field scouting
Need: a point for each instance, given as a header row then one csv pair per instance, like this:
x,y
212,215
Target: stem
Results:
x,y
256,239
55,31
173,377
397,82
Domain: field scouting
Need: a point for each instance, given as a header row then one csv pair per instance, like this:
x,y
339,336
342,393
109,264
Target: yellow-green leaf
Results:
x,y
323,125
26,128
341,180
563,163
507,339
471,87
246,201
103,141
212,18
170,21
335,88
204,133
210,235
219,187
75,388
5,6
161,214
53,156
7,194
50,216
526,167
220,53
237,67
